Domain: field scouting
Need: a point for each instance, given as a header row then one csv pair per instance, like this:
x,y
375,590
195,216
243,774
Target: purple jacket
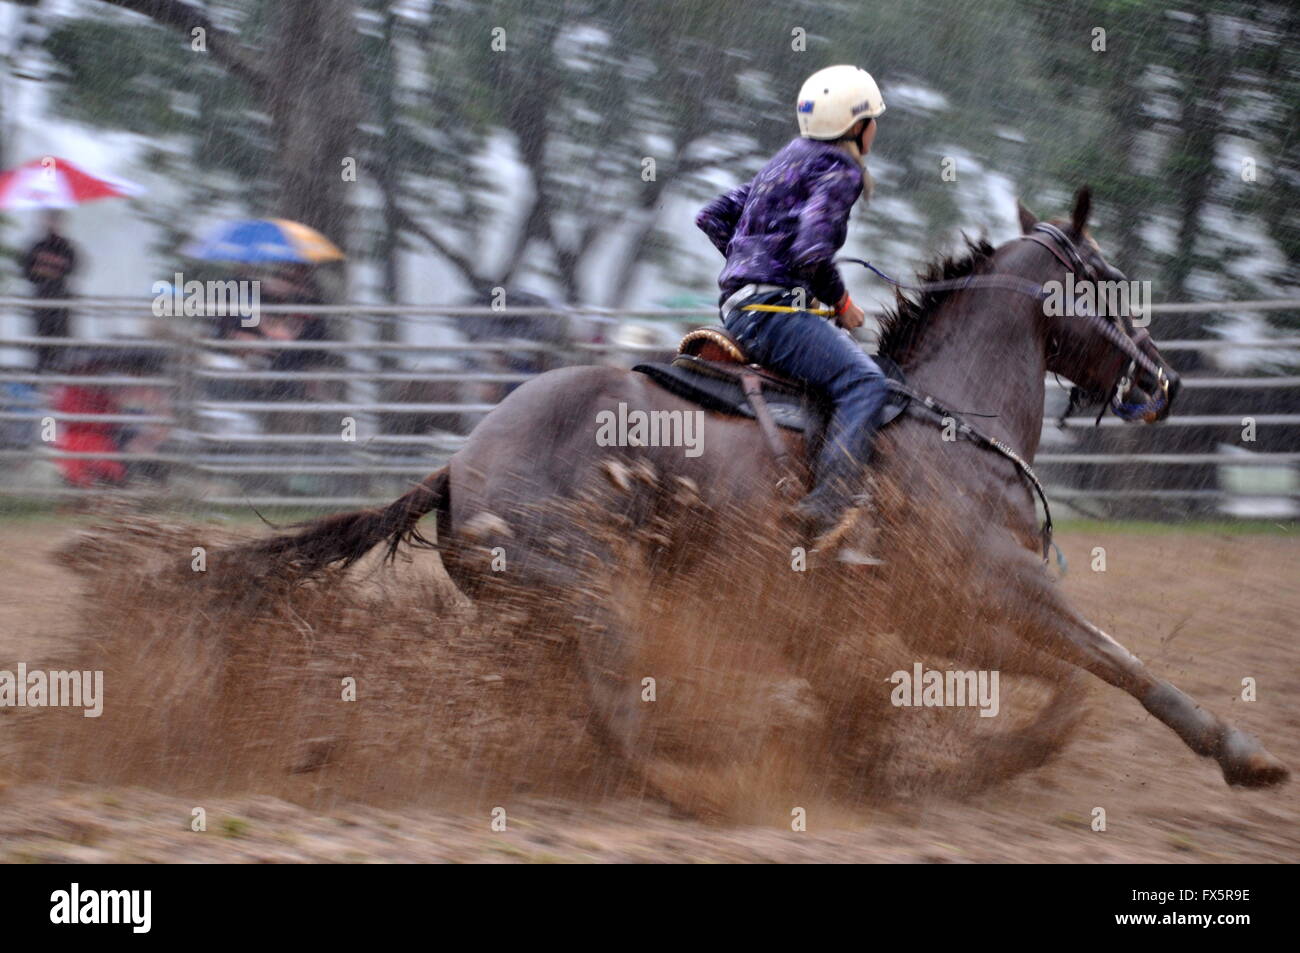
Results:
x,y
785,226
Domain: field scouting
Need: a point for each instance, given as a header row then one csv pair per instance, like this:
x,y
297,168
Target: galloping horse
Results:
x,y
693,576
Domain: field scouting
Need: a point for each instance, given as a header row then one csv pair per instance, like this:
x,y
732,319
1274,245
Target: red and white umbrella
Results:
x,y
51,182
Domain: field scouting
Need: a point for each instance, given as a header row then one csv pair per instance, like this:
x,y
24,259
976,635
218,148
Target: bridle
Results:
x,y
1067,253
1063,249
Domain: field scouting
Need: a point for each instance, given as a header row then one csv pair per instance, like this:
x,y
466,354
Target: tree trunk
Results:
x,y
314,98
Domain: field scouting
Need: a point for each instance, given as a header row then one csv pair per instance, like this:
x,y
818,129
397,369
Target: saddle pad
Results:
x,y
718,389
722,393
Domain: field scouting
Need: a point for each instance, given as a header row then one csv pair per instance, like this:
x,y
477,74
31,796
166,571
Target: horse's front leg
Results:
x,y
1025,598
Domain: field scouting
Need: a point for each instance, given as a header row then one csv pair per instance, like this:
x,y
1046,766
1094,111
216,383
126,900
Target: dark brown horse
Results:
x,y
714,649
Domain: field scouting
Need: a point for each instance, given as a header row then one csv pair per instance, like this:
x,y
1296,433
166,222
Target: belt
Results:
x,y
740,295
748,291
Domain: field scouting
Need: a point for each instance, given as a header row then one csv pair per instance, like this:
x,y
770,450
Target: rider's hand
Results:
x,y
850,315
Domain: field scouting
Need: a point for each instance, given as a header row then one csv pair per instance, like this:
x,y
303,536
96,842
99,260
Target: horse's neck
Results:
x,y
989,361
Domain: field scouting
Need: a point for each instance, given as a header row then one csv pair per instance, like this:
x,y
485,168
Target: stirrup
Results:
x,y
860,505
830,539
851,556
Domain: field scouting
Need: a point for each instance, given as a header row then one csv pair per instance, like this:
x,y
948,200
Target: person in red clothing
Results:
x,y
110,436
85,436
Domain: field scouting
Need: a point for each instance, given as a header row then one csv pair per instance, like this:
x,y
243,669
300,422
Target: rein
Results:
x,y
937,413
1005,282
1065,252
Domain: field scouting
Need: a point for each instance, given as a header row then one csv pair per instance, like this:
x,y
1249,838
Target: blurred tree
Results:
x,y
589,93
18,37
280,113
513,139
1162,122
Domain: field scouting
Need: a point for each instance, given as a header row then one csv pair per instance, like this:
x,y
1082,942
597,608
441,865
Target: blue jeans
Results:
x,y
823,357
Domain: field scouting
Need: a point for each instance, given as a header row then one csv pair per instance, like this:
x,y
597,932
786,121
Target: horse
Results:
x,y
678,576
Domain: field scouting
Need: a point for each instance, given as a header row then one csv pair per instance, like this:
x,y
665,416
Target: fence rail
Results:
x,y
230,433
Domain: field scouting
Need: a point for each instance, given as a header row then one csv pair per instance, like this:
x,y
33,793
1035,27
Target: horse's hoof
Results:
x,y
1247,764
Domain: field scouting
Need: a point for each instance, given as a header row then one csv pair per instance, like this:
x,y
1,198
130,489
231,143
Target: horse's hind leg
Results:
x,y
712,723
710,717
607,656
569,591
1024,598
615,666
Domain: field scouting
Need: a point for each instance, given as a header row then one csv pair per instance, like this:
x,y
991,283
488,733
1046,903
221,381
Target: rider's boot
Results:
x,y
839,497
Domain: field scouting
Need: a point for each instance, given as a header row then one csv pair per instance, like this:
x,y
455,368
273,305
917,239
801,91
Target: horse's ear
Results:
x,y
1082,206
1027,218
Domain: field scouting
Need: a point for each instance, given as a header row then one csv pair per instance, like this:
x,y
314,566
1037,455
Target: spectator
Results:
x,y
47,265
110,437
83,436
294,285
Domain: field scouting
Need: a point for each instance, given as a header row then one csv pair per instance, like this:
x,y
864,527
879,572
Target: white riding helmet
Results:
x,y
833,99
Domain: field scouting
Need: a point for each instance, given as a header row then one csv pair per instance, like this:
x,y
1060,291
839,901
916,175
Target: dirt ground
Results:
x,y
420,769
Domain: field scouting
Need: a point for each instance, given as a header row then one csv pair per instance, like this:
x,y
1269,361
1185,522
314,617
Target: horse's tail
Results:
x,y
346,537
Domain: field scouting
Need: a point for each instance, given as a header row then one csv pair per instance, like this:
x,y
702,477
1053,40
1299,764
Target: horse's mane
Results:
x,y
902,326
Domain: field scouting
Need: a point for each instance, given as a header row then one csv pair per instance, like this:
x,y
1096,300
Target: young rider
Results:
x,y
779,234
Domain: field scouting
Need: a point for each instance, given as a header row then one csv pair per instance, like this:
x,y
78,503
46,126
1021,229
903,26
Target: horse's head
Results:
x,y
1092,336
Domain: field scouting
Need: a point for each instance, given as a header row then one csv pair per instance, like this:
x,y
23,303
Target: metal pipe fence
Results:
x,y
398,388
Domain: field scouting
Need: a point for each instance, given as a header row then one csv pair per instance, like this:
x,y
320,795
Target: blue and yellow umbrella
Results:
x,y
263,240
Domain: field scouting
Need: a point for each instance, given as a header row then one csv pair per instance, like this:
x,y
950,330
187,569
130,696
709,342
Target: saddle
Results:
x,y
711,369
